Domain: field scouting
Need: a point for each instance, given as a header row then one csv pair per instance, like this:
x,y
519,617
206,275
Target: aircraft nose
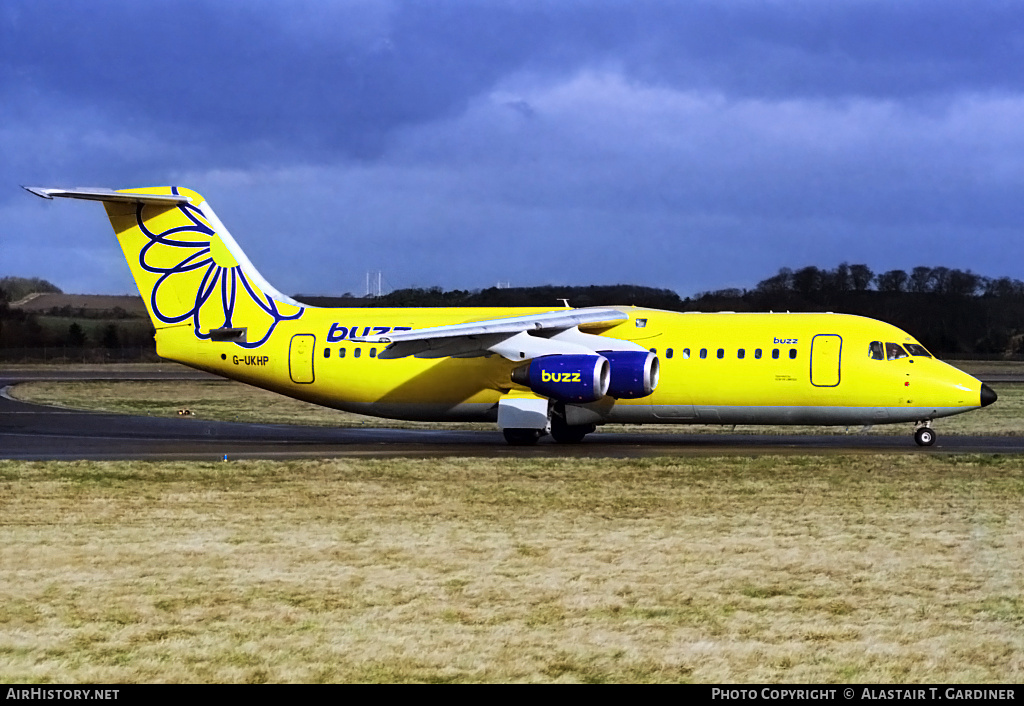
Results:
x,y
988,395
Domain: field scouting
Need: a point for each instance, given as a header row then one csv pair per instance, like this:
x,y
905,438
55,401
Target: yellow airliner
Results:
x,y
534,371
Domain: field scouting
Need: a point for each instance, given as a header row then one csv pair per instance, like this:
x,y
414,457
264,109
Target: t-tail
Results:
x,y
196,282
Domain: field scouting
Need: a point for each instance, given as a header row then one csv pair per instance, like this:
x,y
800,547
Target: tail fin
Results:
x,y
188,268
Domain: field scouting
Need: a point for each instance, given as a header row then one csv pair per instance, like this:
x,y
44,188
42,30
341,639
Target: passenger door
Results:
x,y
826,359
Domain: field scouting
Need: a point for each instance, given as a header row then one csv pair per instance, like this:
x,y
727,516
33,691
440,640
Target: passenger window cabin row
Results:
x,y
669,353
877,350
356,352
741,353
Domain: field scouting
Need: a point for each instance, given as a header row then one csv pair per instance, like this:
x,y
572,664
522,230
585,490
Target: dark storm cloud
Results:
x,y
341,78
702,144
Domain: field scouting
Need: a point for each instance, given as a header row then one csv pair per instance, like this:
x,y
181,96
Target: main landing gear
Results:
x,y
523,419
560,431
568,434
924,435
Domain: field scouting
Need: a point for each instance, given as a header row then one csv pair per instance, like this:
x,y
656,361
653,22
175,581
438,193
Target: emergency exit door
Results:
x,y
300,357
826,359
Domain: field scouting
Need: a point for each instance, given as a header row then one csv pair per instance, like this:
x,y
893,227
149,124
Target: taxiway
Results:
x,y
35,432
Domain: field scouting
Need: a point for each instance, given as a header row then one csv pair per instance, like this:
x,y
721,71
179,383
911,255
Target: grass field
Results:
x,y
797,569
226,400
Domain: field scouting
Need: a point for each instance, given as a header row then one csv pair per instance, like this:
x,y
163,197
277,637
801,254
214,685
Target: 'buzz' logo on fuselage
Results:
x,y
785,341
338,332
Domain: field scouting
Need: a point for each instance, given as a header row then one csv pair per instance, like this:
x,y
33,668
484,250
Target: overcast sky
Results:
x,y
690,145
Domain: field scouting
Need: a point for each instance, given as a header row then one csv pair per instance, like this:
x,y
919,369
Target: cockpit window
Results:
x,y
876,350
917,349
894,351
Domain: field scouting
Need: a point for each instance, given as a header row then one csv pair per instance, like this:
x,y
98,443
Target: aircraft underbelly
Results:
x,y
674,412
428,412
789,414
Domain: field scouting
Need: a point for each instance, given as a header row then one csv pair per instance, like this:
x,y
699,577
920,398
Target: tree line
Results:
x,y
813,283
543,296
955,313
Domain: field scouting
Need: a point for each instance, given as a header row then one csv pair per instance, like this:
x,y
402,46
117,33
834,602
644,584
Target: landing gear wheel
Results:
x,y
924,436
566,434
522,437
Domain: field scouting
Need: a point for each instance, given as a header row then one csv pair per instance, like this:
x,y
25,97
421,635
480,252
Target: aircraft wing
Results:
x,y
515,337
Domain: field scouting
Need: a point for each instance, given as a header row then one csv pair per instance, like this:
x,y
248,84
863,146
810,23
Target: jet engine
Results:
x,y
633,373
569,378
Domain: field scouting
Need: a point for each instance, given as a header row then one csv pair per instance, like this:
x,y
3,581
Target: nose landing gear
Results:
x,y
924,435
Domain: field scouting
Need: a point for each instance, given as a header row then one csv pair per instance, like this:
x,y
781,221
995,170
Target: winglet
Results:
x,y
107,195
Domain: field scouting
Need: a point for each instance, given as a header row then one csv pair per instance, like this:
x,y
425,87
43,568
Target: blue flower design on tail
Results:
x,y
199,278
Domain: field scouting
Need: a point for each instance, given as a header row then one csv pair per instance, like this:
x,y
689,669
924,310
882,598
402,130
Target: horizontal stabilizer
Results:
x,y
107,195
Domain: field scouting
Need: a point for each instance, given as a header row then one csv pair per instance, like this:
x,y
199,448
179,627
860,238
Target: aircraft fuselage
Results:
x,y
717,368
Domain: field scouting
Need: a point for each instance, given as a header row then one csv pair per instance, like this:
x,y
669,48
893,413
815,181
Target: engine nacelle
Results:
x,y
633,373
569,378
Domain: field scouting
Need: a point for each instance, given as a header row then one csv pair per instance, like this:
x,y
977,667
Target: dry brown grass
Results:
x,y
222,400
981,368
817,569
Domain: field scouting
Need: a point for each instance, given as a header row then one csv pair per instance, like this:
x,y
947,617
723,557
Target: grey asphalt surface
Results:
x,y
34,432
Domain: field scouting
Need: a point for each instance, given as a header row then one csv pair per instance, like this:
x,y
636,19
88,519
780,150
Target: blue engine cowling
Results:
x,y
569,378
633,373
